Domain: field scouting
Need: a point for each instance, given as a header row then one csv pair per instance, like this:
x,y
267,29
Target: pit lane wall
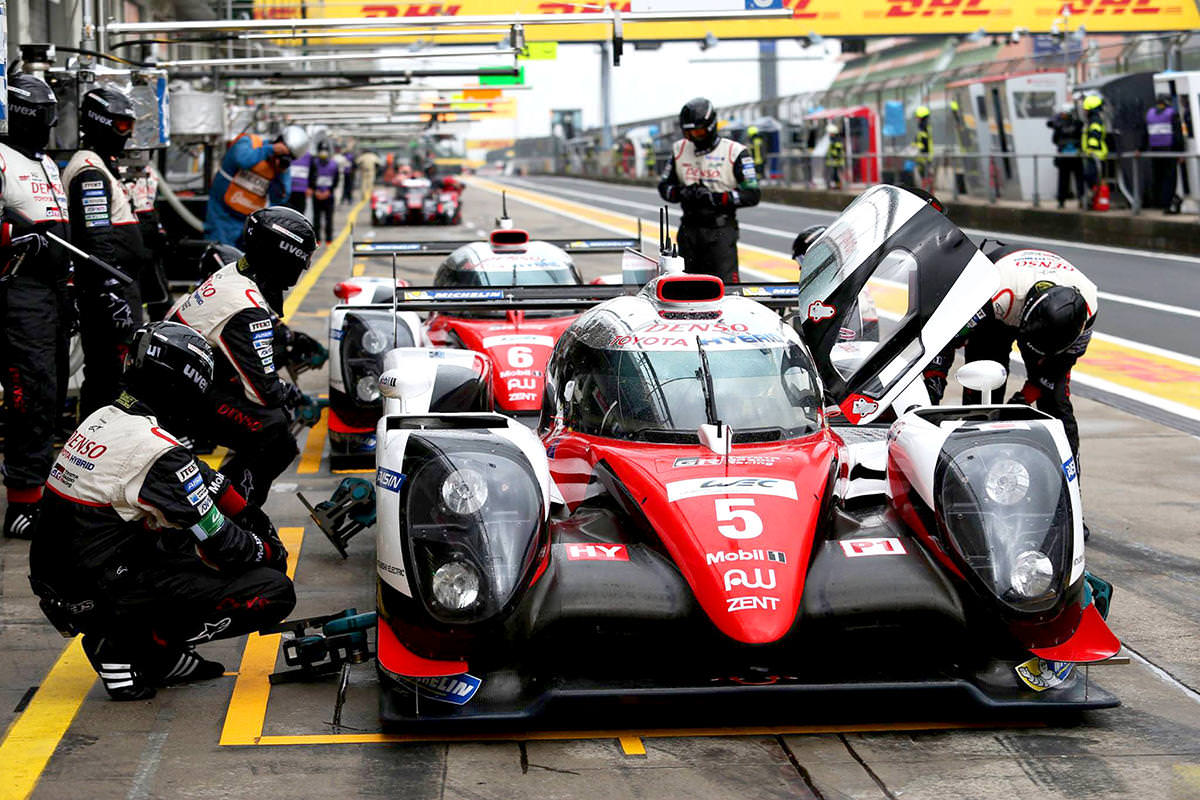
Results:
x,y
1148,231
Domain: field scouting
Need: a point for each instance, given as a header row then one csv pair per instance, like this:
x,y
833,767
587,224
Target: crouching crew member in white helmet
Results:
x,y
143,549
253,406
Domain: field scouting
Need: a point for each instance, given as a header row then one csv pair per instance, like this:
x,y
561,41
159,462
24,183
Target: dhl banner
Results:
x,y
826,17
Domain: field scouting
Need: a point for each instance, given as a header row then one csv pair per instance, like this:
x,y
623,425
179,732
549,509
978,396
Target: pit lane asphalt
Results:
x,y
1140,492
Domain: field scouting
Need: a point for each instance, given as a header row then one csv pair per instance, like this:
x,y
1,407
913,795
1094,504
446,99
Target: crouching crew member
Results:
x,y
710,177
33,300
144,549
232,309
1048,308
104,224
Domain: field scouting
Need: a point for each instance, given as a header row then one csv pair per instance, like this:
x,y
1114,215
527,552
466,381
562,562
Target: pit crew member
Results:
x,y
145,550
104,224
1048,307
33,300
710,177
253,175
252,405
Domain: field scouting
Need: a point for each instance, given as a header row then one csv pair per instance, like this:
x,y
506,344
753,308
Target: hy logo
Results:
x,y
818,311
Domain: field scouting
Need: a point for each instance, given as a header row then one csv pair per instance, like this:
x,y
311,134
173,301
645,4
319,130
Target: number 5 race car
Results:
x,y
718,504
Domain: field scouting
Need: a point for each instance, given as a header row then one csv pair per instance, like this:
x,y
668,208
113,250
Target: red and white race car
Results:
x,y
723,504
510,346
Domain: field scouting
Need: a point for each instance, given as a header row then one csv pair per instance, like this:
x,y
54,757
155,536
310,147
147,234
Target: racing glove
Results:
x,y
116,308
304,352
255,520
696,197
1028,395
303,407
13,252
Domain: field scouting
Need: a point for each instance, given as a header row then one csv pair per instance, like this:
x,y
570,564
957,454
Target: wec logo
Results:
x,y
818,311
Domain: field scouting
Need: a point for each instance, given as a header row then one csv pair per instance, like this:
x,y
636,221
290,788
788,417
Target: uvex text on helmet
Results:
x,y
279,244
168,366
1053,318
106,118
698,119
32,112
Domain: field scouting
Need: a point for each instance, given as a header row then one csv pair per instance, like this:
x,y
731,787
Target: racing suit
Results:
x,y
105,225
710,186
138,545
251,401
246,182
991,332
35,314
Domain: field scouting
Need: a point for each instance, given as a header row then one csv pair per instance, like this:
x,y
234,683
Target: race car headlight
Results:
x,y
464,491
472,516
455,586
366,335
367,388
1005,506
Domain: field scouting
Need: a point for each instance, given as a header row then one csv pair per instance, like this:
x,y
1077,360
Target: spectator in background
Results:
x,y
1095,140
1164,134
368,166
835,157
924,145
1067,134
323,181
298,199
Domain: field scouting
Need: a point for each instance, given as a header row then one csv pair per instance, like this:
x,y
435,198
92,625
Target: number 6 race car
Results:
x,y
718,504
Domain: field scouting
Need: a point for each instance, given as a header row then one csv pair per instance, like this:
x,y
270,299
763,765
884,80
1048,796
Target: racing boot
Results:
x,y
122,680
174,666
20,520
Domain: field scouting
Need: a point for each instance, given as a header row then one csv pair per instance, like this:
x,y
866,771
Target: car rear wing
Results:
x,y
375,249
557,297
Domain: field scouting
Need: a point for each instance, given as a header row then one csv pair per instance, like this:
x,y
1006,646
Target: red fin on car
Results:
x,y
399,660
1092,641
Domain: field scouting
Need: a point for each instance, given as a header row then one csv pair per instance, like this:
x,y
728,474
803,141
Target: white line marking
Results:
x,y
1163,675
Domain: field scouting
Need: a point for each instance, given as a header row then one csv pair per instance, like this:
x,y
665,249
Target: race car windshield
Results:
x,y
764,393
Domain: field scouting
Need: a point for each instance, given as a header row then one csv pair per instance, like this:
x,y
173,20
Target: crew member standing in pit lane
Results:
x,y
104,224
143,192
298,199
323,183
710,177
144,549
33,299
253,405
1048,307
253,175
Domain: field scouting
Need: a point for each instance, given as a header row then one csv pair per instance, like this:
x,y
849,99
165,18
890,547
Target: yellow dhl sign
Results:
x,y
826,17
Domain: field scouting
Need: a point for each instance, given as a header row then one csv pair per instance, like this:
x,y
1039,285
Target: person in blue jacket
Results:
x,y
253,175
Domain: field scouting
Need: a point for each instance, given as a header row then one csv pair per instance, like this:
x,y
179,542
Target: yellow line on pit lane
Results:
x,y
35,734
1153,375
248,706
313,273
314,446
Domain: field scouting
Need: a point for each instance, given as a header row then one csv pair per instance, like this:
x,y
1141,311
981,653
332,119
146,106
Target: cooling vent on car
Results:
x,y
690,289
508,239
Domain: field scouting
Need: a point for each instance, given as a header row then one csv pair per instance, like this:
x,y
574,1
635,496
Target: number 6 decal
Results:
x,y
520,357
727,512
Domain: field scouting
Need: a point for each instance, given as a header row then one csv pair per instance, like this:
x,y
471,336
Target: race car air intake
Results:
x,y
509,239
690,289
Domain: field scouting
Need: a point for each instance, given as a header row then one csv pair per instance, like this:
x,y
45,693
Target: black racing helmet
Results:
x,y
279,243
698,119
32,112
169,367
804,240
106,118
1052,319
216,256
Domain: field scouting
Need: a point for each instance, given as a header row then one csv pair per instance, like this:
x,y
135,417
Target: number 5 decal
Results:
x,y
727,512
520,357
